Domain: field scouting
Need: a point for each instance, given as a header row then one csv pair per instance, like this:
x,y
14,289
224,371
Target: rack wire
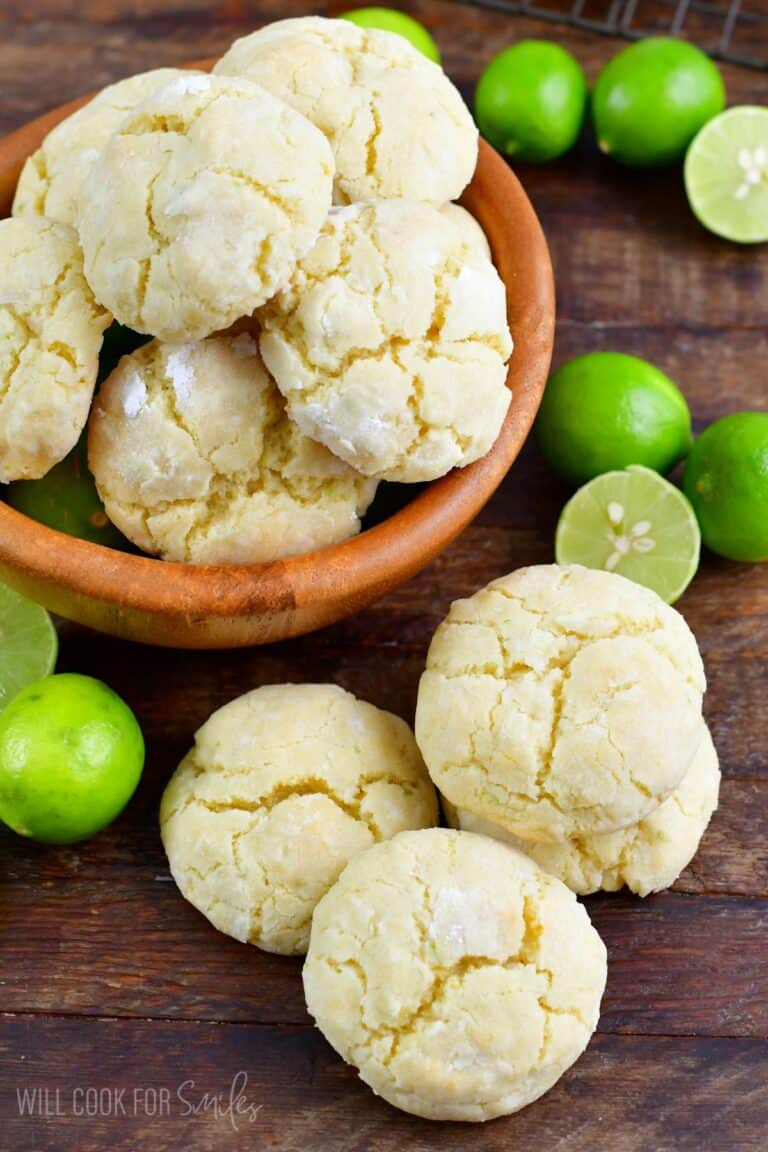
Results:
x,y
731,30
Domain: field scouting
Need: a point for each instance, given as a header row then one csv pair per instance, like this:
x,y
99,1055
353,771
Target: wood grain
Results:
x,y
108,978
626,1093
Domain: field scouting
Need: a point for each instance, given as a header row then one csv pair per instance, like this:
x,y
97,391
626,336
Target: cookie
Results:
x,y
456,976
196,461
647,857
390,342
282,788
51,331
52,177
198,208
471,230
560,702
397,125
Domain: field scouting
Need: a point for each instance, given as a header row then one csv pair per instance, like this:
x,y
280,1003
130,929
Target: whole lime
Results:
x,y
390,20
530,101
726,481
66,499
604,411
652,98
71,755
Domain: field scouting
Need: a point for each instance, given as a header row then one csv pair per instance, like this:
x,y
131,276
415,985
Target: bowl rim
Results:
x,y
374,560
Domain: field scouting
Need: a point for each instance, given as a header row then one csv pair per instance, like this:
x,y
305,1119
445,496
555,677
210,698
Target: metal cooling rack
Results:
x,y
732,30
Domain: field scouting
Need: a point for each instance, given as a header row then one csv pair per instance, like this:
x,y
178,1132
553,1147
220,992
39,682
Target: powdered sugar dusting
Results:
x,y
185,85
134,395
180,372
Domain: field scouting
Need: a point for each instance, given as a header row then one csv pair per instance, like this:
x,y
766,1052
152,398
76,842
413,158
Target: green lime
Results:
x,y
606,410
726,480
71,754
726,175
635,523
390,20
652,98
66,499
530,101
28,644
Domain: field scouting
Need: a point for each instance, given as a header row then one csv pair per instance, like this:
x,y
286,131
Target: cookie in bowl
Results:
x,y
53,175
397,125
390,342
51,331
196,461
200,205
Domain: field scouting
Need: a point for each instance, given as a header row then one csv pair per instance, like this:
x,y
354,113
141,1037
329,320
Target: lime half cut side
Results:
x,y
726,175
28,644
635,523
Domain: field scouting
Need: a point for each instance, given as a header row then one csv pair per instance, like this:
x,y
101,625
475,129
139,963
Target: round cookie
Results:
x,y
51,330
397,125
198,208
196,461
390,342
471,229
647,857
459,979
560,702
52,177
283,786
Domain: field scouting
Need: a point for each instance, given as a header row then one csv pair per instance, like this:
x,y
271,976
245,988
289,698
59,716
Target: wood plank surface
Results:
x,y
109,980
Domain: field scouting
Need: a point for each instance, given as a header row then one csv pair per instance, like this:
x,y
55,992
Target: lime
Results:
x,y
71,754
652,98
635,523
530,101
726,175
28,644
66,499
390,20
726,480
606,410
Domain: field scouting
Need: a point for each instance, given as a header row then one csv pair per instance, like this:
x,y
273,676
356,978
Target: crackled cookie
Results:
x,y
198,208
195,459
390,342
647,857
50,337
459,978
396,124
283,786
52,177
471,230
560,702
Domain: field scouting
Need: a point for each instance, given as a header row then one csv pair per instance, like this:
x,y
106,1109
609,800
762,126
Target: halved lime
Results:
x,y
28,644
726,175
635,523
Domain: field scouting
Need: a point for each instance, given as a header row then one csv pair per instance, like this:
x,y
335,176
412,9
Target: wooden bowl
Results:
x,y
209,606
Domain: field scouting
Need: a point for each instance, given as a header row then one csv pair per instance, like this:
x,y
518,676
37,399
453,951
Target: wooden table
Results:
x,y
108,980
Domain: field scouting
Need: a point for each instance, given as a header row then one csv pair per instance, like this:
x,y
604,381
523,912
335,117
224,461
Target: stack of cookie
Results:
x,y
560,716
319,320
560,712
